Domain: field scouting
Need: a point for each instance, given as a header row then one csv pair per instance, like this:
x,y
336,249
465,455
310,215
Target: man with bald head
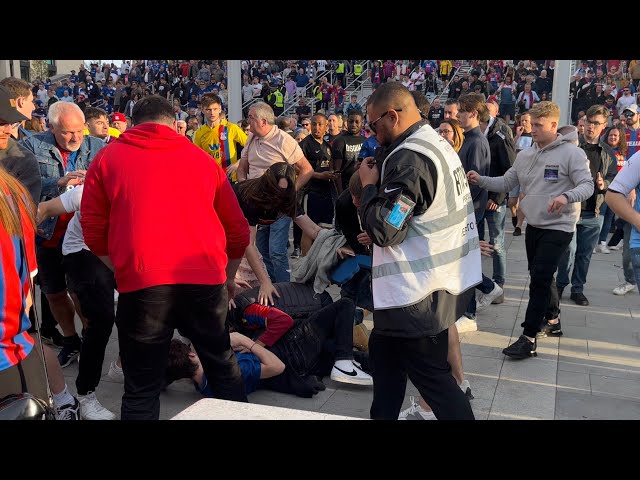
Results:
x,y
417,210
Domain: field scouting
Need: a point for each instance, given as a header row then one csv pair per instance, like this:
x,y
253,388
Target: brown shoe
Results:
x,y
361,337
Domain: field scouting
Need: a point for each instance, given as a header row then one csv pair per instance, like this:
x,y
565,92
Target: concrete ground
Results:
x,y
592,372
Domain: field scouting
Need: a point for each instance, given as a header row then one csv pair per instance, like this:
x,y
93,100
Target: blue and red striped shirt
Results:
x,y
15,342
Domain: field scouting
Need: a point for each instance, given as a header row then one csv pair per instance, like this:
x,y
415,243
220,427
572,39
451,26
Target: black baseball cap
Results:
x,y
8,111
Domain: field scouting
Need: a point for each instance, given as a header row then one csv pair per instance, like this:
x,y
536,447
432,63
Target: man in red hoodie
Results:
x,y
174,252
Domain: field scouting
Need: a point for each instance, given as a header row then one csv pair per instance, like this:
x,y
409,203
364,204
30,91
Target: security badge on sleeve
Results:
x,y
401,210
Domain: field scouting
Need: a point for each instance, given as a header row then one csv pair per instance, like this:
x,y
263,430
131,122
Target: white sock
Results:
x,y
117,367
346,365
63,398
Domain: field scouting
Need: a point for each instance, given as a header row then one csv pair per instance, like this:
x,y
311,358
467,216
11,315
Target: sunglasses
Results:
x,y
629,114
306,124
372,125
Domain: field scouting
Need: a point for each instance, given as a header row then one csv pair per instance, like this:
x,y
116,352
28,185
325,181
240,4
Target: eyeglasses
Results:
x,y
372,125
595,124
629,114
10,125
445,132
306,124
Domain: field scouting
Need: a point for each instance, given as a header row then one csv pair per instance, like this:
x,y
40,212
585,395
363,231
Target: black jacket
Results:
x,y
415,176
503,153
608,169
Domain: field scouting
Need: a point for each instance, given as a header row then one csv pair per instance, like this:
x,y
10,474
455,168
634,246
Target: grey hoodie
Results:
x,y
544,173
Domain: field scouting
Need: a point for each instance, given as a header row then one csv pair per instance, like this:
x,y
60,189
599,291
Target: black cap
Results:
x,y
8,111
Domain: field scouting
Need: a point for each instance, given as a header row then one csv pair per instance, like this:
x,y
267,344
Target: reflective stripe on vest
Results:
x,y
441,250
279,99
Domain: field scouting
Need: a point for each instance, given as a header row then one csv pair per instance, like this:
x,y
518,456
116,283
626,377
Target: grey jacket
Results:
x,y
544,173
320,260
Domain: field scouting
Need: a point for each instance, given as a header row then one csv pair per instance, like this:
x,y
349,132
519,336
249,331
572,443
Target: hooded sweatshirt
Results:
x,y
162,209
544,173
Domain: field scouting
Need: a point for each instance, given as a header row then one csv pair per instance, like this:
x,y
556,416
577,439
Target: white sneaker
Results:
x,y
623,288
115,373
356,376
465,324
483,300
91,409
602,248
618,246
416,412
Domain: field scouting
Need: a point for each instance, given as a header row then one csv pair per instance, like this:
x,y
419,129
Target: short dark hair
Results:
x,y
92,112
209,99
422,102
18,87
152,108
179,365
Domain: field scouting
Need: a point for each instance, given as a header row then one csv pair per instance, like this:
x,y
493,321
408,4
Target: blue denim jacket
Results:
x,y
43,146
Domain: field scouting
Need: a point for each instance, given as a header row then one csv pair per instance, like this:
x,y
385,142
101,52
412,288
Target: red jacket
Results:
x,y
162,209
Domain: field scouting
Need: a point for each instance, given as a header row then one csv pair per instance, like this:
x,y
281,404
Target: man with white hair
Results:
x,y
64,153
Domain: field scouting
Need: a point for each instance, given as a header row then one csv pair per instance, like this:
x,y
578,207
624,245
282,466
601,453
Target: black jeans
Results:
x,y
424,361
544,249
314,344
93,282
146,320
358,289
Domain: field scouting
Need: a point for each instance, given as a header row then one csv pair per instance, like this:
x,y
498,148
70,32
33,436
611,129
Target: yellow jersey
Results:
x,y
220,142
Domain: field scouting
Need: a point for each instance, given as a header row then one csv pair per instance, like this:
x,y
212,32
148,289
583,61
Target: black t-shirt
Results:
x,y
319,156
436,116
303,111
330,138
256,216
347,222
346,147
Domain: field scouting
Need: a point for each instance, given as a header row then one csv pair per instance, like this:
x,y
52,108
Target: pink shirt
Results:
x,y
275,146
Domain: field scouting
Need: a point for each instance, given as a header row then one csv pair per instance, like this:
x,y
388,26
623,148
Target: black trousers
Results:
x,y
544,249
146,320
314,344
424,361
94,284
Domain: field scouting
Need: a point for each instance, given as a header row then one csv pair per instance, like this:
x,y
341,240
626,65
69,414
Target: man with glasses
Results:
x,y
421,205
626,100
306,124
604,167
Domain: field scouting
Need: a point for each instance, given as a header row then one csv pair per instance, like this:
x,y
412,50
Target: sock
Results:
x,y
346,365
63,398
514,221
553,321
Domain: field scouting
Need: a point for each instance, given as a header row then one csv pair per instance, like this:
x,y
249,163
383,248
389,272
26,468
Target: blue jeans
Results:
x,y
578,255
495,221
635,261
271,241
607,214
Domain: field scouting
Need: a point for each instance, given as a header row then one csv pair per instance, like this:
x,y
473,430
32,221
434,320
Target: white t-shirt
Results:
x,y
322,65
626,180
73,238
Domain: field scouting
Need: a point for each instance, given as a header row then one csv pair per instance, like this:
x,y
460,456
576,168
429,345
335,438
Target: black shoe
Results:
x,y
560,292
517,232
580,299
296,253
54,338
550,330
70,411
521,348
70,350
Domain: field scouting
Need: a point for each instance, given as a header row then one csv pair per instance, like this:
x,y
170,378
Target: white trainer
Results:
x,y
602,248
623,288
356,376
465,324
92,409
618,246
416,412
483,300
115,373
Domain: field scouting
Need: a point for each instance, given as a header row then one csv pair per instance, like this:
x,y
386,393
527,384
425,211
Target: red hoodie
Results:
x,y
162,209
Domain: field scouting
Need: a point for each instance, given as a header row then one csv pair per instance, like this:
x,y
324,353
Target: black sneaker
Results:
x,y
68,354
517,232
521,348
70,411
53,339
296,253
579,299
550,330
